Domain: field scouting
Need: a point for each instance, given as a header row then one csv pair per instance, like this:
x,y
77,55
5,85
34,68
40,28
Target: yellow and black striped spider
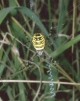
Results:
x,y
38,41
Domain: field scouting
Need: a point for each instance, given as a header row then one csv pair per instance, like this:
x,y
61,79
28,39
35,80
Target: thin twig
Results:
x,y
37,81
74,22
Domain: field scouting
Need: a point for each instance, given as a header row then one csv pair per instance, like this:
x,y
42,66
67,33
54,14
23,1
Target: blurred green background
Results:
x,y
59,22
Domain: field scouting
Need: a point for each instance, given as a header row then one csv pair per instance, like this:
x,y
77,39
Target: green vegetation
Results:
x,y
31,75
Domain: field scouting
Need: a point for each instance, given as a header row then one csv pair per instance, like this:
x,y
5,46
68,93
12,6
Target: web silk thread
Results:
x,y
51,84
